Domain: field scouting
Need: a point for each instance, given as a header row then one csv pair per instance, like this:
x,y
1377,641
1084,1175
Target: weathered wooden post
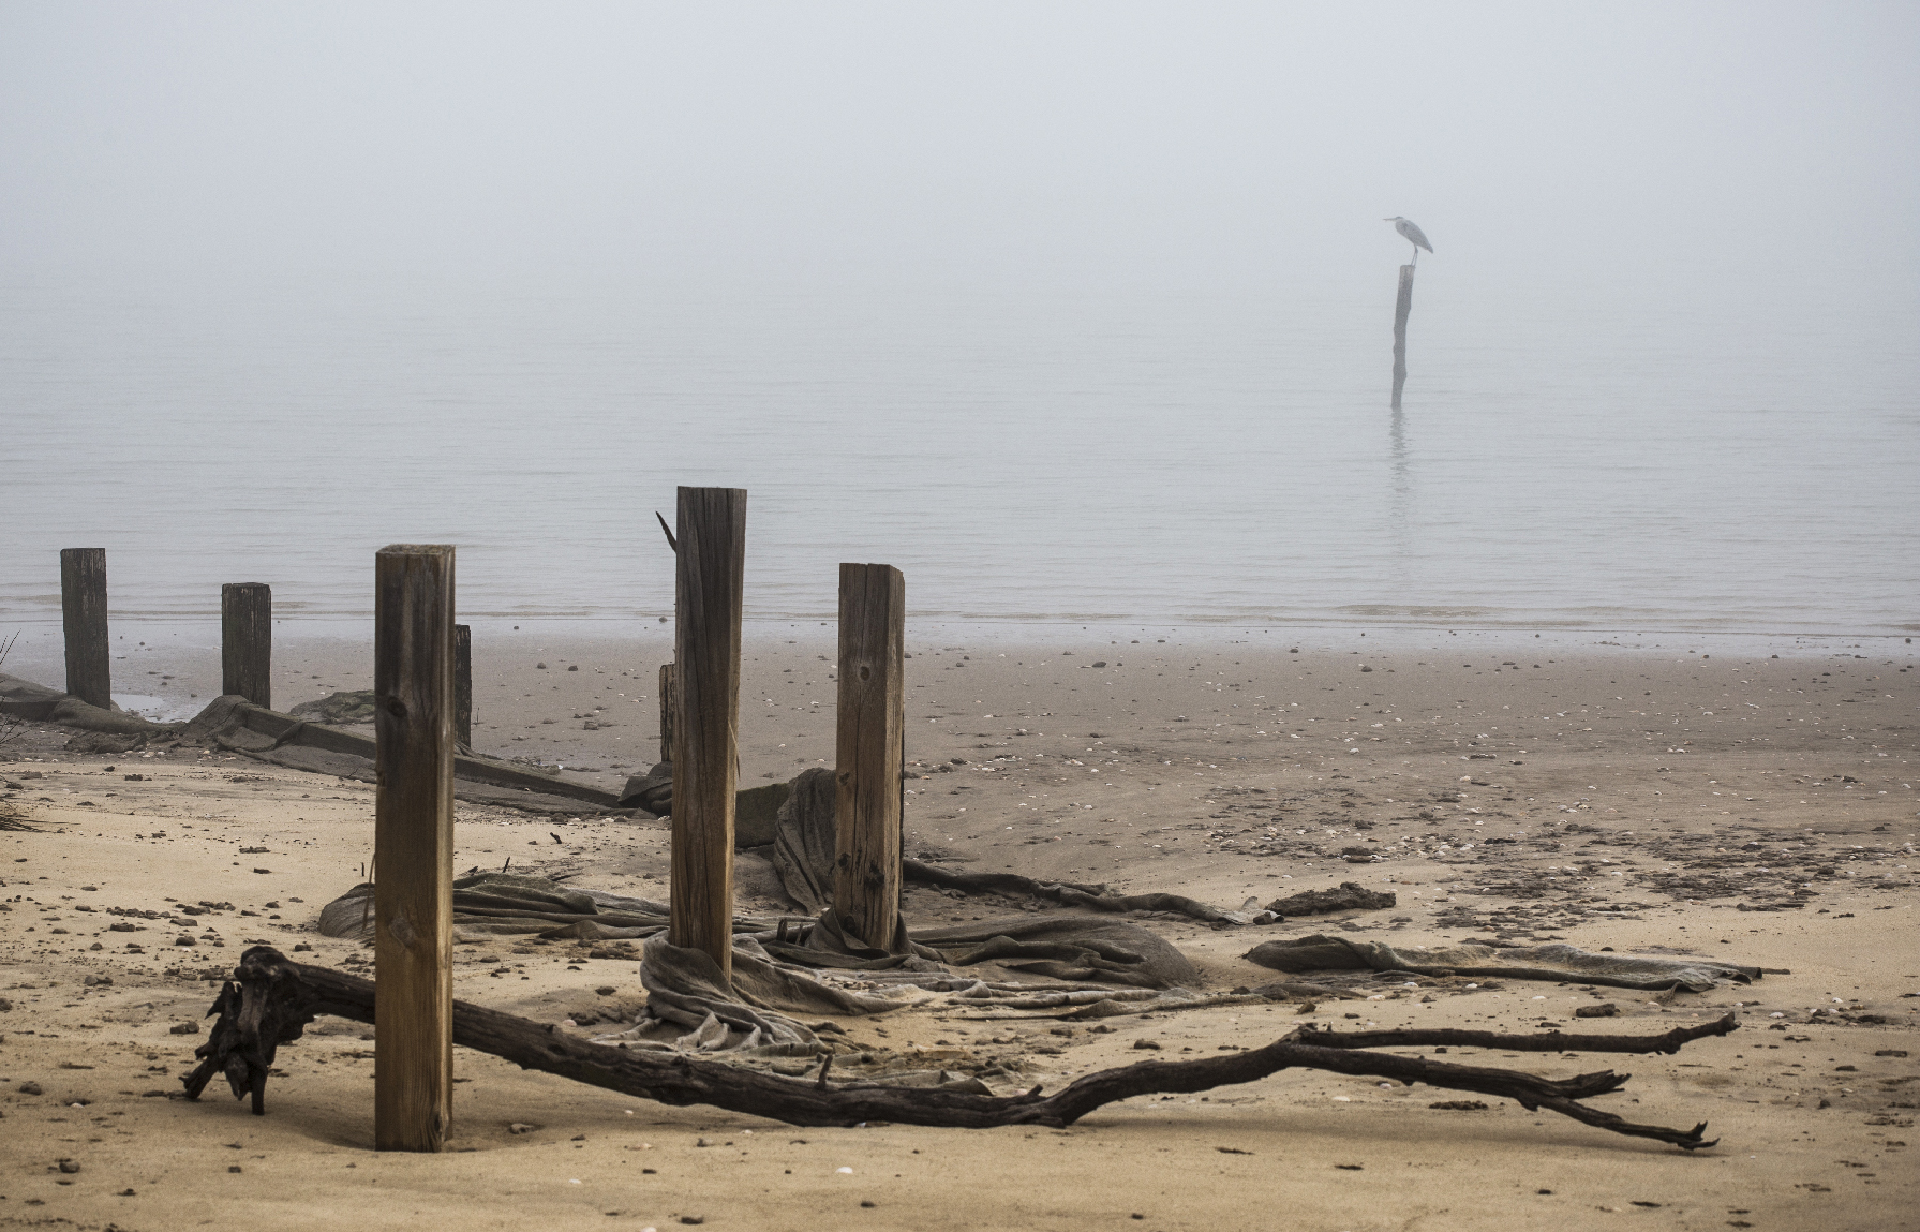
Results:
x,y
871,730
463,685
711,531
413,846
1401,308
246,641
669,702
83,617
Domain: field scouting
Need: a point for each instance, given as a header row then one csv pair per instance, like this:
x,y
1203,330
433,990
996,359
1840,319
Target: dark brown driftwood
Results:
x,y
1092,897
1552,1041
272,1000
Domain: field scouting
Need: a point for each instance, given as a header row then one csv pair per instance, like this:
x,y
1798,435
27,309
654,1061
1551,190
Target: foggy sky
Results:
x,y
993,142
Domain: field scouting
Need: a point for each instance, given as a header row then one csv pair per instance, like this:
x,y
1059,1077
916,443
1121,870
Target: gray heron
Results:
x,y
1411,232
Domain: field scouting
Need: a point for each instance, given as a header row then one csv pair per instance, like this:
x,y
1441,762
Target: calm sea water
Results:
x,y
1203,456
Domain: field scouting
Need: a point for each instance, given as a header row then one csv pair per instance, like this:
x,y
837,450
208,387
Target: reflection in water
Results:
x,y
1400,500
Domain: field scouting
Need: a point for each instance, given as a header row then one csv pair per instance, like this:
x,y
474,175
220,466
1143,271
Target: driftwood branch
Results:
x,y
1552,1041
271,1001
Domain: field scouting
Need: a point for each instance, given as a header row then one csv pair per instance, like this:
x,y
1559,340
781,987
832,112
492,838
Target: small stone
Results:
x,y
233,1167
184,1028
519,1127
185,939
125,1193
693,1219
30,1088
1609,1010
69,1165
1146,1045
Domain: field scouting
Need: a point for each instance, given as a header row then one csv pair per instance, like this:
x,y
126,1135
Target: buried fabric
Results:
x,y
1546,962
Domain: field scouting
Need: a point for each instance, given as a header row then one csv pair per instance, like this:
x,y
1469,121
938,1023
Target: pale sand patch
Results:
x,y
1779,734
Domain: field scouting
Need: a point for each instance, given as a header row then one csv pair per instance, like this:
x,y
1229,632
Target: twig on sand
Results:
x,y
271,1000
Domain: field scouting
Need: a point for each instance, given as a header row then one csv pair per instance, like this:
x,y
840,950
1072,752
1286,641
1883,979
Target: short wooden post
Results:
x,y
413,847
463,685
1402,306
871,719
669,702
83,614
246,641
711,530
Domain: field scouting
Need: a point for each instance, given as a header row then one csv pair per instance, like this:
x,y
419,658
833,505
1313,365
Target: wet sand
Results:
x,y
1740,807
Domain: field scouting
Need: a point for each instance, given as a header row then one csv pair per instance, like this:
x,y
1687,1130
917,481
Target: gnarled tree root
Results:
x,y
271,1000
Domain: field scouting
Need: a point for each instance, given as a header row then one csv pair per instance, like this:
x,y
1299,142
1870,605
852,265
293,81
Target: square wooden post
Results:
x,y
83,617
413,847
709,570
463,685
870,718
246,641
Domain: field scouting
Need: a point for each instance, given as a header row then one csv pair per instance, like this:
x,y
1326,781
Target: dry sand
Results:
x,y
1604,795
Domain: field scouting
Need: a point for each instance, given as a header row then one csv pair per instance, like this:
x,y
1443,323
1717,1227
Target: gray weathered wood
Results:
x,y
709,569
246,641
669,703
463,686
1403,305
83,615
870,715
413,846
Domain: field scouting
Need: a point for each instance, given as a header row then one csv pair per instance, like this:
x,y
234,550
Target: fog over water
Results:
x,y
1069,311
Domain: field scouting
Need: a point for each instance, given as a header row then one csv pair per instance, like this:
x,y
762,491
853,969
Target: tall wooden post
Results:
x,y
463,685
246,641
711,530
1402,306
413,847
669,703
83,615
871,729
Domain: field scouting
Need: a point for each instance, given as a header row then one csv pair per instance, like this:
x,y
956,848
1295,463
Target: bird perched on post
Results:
x,y
1411,232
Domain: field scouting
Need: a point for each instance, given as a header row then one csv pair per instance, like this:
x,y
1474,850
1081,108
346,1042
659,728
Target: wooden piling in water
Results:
x,y
870,717
463,686
709,568
413,846
1402,306
246,641
83,618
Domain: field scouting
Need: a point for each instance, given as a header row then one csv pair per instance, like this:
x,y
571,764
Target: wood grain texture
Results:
x,y
272,1000
463,686
709,572
870,721
413,846
246,641
1402,307
669,703
83,617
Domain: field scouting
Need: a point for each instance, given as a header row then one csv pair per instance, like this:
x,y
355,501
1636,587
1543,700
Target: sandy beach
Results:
x,y
1681,800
